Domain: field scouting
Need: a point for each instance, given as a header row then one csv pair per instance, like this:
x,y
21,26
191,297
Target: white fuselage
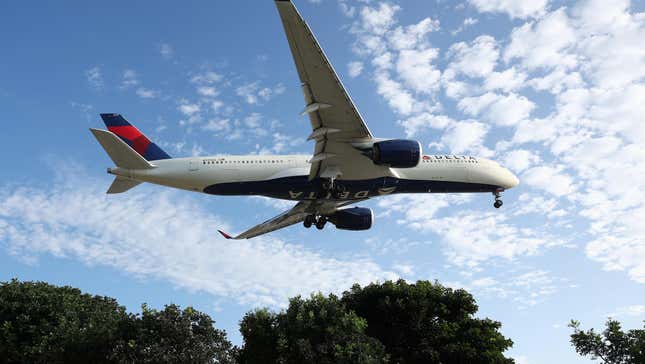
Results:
x,y
286,177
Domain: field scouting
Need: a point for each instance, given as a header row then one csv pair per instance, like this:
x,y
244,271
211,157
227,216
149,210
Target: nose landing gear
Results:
x,y
498,199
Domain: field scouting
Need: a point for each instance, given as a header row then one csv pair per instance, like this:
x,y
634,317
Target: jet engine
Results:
x,y
397,153
354,219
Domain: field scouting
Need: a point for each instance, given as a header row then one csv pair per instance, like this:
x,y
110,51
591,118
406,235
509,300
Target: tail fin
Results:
x,y
133,137
121,154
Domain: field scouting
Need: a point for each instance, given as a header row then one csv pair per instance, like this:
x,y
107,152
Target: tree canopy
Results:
x,y
427,323
316,330
612,346
392,322
41,323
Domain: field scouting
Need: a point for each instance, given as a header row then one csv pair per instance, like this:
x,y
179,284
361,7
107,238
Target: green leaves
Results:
x,y
613,346
40,323
316,330
427,323
392,322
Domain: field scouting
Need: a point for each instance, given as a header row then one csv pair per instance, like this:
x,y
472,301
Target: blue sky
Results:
x,y
553,90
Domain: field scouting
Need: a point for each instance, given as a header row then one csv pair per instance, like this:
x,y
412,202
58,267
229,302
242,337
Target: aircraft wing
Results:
x,y
335,121
296,215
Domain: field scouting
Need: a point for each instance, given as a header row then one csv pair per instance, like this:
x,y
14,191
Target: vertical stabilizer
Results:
x,y
133,137
121,154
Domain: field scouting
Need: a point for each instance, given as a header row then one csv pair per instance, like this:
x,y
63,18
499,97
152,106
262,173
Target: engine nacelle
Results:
x,y
397,153
355,219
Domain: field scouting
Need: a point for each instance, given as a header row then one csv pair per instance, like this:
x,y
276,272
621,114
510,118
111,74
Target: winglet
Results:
x,y
225,235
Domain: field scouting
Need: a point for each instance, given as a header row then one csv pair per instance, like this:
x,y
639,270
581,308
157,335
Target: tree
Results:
x,y
46,324
259,329
173,335
316,330
41,323
613,346
427,323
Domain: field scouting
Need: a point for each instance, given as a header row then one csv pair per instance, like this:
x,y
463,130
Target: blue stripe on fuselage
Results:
x,y
299,188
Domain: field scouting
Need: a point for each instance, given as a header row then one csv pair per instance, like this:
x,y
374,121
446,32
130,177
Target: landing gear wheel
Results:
x,y
338,190
498,198
309,221
321,222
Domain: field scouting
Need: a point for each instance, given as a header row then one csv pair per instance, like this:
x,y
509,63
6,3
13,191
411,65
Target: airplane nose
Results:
x,y
510,180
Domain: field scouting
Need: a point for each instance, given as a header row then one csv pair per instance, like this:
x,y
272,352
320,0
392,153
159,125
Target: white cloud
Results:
x,y
355,69
146,236
471,238
507,81
622,252
544,43
413,36
420,122
207,91
525,289
514,8
94,77
549,179
166,50
504,110
189,109
466,137
477,59
520,159
206,78
347,10
532,204
468,22
416,69
145,93
253,93
567,93
633,310
400,100
217,125
379,20
130,79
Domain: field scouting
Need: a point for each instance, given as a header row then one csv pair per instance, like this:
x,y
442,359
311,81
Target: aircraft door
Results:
x,y
193,165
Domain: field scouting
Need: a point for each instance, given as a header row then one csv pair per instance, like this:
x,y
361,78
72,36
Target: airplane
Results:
x,y
349,165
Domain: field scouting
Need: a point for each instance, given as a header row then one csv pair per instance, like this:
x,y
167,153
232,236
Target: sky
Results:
x,y
553,90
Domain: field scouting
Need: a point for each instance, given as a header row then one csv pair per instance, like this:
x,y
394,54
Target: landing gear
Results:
x,y
309,221
330,187
498,199
321,222
338,190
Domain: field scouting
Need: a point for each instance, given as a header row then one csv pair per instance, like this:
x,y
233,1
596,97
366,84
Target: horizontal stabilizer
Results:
x,y
121,154
121,185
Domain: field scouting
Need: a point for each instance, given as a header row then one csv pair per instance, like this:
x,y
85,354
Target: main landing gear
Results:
x,y
319,221
335,189
498,199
